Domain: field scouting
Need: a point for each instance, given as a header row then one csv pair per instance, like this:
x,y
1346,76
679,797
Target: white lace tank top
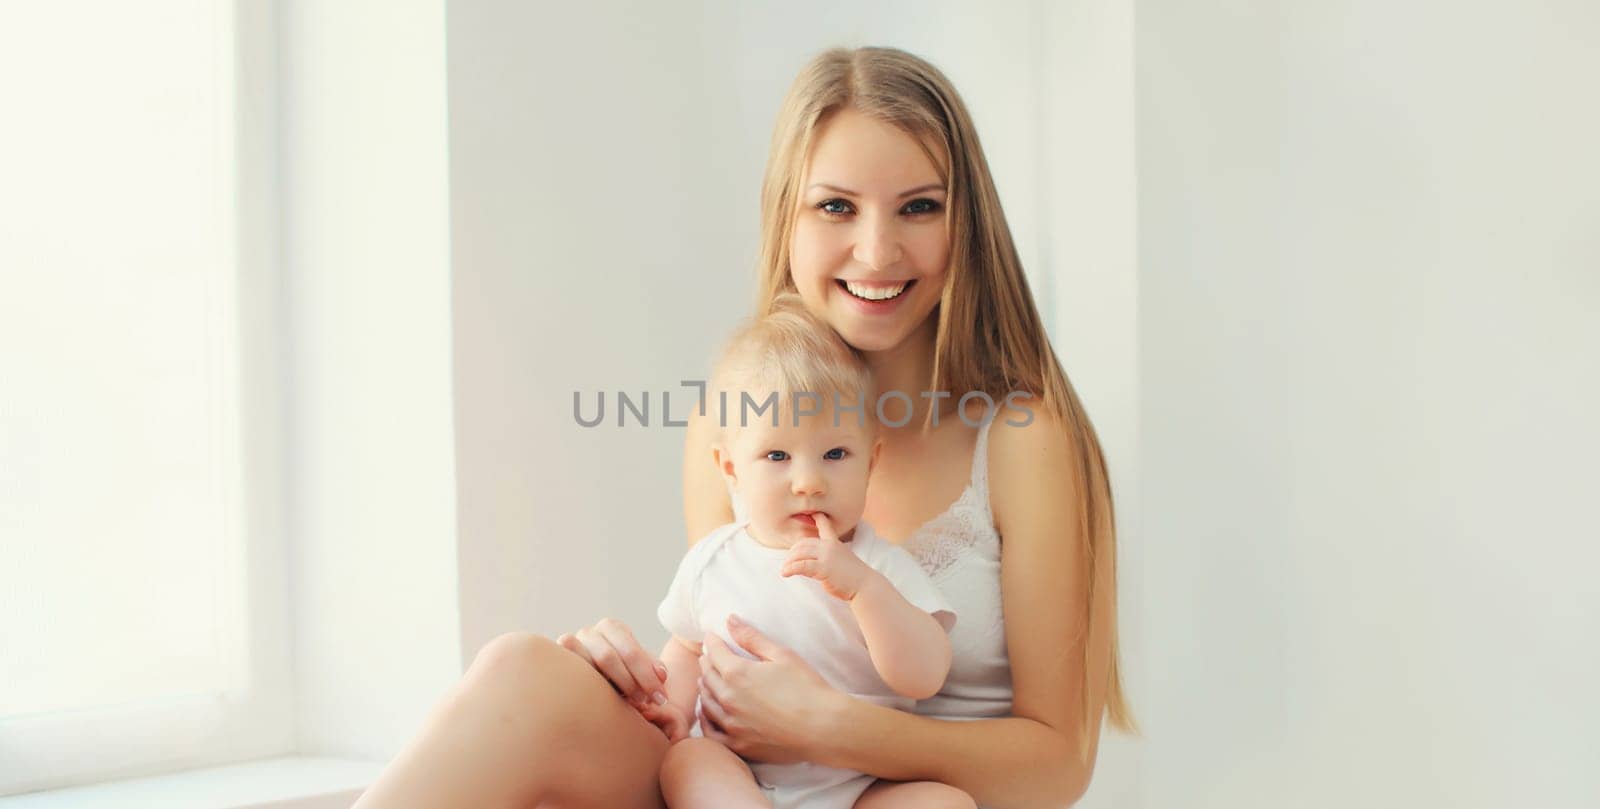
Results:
x,y
960,550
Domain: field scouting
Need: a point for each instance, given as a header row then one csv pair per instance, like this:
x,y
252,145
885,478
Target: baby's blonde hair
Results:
x,y
790,351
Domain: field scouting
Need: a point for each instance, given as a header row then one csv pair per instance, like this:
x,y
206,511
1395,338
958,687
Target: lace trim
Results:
x,y
962,527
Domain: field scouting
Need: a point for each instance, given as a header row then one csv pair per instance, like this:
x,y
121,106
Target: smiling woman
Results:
x,y
871,255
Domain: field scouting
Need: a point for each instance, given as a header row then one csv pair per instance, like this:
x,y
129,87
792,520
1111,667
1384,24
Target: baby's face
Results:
x,y
785,474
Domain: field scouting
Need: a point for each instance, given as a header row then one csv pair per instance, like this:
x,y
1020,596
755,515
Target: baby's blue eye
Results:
x,y
835,454
777,455
918,206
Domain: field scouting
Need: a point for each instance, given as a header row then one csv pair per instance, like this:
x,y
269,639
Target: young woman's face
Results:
x,y
871,241
788,472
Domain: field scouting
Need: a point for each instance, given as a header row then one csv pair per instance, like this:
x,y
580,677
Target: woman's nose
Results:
x,y
878,246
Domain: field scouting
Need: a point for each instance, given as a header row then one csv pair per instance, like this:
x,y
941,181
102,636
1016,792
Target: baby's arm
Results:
x,y
909,648
682,659
675,716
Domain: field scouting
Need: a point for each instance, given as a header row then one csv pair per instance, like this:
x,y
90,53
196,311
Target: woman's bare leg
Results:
x,y
914,795
529,724
699,773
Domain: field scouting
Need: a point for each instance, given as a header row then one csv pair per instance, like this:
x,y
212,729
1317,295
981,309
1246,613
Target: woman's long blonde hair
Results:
x,y
990,337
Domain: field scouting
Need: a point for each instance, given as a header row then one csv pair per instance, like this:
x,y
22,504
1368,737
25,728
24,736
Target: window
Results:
x,y
142,624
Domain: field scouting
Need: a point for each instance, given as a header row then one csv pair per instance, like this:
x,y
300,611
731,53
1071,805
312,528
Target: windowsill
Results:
x,y
276,783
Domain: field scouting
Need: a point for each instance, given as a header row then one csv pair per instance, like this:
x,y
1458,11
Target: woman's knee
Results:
x,y
530,718
529,677
597,750
515,654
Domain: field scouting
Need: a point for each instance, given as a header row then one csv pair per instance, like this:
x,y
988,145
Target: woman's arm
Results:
x,y
1007,763
1034,758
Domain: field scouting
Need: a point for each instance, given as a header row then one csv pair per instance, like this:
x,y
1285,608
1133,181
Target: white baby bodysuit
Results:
x,y
729,572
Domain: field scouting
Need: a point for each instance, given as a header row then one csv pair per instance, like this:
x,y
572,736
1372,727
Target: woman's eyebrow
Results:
x,y
841,190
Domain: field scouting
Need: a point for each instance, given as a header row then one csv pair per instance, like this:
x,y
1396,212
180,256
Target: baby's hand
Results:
x,y
829,561
669,718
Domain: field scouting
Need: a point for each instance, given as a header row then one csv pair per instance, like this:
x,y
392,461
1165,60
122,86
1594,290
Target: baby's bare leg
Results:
x,y
699,773
914,795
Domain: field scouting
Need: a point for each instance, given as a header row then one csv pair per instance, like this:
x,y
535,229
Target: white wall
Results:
x,y
596,237
1085,275
371,463
1368,280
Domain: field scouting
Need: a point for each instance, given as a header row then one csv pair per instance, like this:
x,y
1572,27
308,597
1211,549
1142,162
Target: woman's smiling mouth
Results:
x,y
874,292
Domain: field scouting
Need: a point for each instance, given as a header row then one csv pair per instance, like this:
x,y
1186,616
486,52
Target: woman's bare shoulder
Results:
x,y
1032,465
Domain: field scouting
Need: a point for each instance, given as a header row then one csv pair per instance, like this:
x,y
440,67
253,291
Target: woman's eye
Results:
x,y
835,454
920,206
834,207
777,455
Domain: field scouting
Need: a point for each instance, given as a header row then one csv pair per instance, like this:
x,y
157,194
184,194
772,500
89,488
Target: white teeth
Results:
x,y
875,293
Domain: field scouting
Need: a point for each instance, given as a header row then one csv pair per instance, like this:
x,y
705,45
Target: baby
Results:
x,y
803,569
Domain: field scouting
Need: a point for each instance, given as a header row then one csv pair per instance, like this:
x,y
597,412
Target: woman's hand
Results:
x,y
776,709
831,562
609,646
